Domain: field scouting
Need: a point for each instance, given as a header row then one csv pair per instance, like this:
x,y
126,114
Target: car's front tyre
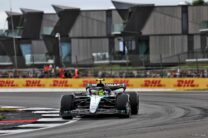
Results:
x,y
67,104
134,102
123,105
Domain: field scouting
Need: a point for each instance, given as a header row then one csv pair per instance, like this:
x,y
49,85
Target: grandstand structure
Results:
x,y
131,34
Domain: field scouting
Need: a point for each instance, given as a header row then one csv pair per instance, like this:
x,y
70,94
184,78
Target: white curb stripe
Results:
x,y
38,125
38,109
16,131
11,107
45,112
10,132
50,115
51,120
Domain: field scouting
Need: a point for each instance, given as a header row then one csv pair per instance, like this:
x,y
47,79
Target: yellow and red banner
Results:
x,y
153,83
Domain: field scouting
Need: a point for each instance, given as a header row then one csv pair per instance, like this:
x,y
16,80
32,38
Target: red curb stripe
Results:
x,y
18,121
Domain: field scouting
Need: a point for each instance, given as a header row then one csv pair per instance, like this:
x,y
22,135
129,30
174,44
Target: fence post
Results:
x,y
179,61
161,66
197,66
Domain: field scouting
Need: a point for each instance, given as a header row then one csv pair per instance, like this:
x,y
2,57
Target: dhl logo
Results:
x,y
33,83
85,82
152,83
122,82
7,83
186,83
60,83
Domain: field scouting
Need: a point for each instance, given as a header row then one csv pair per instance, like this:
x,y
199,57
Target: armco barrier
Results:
x,y
132,83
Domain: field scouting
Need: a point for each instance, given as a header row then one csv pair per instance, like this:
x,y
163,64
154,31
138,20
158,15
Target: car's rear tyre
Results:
x,y
123,105
67,104
134,102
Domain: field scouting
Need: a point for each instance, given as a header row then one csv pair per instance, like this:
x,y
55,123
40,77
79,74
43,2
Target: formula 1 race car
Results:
x,y
100,99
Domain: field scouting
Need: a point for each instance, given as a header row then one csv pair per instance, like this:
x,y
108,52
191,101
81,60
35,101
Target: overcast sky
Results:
x,y
45,5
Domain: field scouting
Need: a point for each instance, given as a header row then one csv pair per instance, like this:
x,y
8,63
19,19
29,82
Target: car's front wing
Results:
x,y
81,112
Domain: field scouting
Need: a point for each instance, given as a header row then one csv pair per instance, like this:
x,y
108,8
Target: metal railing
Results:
x,y
117,28
192,64
106,73
5,60
105,58
16,33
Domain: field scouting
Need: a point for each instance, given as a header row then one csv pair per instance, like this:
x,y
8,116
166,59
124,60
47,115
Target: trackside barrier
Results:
x,y
132,83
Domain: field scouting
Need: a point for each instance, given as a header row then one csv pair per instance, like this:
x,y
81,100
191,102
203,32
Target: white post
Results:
x,y
59,45
13,37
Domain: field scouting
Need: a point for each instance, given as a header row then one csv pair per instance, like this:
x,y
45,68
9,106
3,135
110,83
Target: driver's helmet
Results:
x,y
100,85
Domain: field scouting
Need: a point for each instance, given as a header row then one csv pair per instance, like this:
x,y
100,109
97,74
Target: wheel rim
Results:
x,y
128,109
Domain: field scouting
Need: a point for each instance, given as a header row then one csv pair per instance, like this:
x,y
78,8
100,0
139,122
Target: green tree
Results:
x,y
198,2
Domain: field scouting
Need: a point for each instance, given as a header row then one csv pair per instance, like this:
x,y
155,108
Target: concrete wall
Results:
x,y
48,23
197,42
163,20
82,49
116,18
197,14
168,47
89,23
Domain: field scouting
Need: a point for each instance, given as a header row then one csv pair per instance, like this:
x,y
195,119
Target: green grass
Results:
x,y
117,67
8,110
2,117
182,66
190,66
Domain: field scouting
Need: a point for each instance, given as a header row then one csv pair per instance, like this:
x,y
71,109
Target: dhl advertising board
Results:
x,y
153,83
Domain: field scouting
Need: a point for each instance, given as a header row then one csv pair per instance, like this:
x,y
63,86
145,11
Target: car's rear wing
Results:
x,y
111,86
116,86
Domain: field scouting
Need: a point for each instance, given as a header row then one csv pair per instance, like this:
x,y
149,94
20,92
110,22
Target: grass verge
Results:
x,y
6,110
2,117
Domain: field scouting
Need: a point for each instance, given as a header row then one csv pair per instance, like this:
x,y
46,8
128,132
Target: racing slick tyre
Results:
x,y
134,102
123,105
67,104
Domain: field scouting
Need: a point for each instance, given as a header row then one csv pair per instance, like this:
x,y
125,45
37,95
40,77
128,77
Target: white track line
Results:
x,y
22,131
38,125
15,131
49,112
50,115
45,112
38,108
50,120
12,107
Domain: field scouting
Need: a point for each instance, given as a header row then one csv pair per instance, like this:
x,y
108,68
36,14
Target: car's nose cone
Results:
x,y
94,103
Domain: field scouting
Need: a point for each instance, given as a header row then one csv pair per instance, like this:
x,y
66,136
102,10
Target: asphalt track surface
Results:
x,y
162,115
